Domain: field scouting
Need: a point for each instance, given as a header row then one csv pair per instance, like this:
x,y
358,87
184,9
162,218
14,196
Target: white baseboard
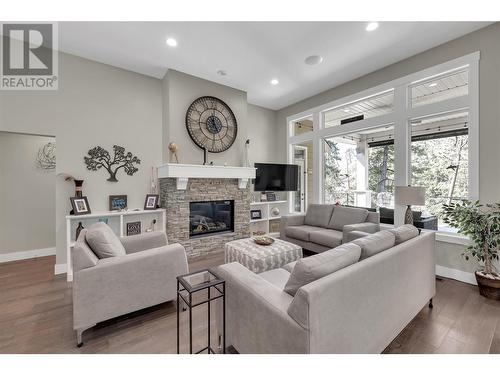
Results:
x,y
451,273
59,268
29,254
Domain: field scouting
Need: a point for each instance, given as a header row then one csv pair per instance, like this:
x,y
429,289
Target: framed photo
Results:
x,y
271,197
80,205
151,201
133,228
255,214
117,202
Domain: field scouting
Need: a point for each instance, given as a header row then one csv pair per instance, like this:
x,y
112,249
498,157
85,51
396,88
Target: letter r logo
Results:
x,y
27,49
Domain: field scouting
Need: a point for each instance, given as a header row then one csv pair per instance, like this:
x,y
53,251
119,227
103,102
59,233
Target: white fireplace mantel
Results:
x,y
183,172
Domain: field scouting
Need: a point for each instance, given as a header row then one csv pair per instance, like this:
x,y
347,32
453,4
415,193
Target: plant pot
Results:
x,y
489,288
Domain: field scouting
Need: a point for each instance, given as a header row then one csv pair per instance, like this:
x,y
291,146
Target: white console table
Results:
x,y
117,220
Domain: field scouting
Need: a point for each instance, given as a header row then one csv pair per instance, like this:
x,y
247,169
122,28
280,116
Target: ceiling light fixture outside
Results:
x,y
171,42
274,82
372,26
313,60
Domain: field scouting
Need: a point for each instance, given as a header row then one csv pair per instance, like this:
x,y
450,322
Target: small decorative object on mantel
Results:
x,y
151,202
247,151
46,158
80,205
255,214
173,151
117,202
100,158
133,228
78,230
263,240
481,223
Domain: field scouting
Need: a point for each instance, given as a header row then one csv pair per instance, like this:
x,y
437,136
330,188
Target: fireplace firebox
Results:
x,y
211,217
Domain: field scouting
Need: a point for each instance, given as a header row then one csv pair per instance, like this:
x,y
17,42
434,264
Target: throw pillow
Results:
x,y
315,267
318,215
347,215
103,241
404,233
375,243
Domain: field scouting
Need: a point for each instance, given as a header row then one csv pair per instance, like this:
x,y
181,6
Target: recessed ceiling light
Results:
x,y
221,72
433,84
313,60
171,42
372,26
346,110
274,82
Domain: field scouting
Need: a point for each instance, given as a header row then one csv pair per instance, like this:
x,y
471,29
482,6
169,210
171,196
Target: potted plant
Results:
x,y
481,223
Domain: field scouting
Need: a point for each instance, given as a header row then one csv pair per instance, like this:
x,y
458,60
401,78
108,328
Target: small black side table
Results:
x,y
194,282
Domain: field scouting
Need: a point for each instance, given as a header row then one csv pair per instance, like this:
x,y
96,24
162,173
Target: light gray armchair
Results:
x,y
110,287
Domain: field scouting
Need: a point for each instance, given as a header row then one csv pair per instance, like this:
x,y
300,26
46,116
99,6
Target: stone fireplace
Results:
x,y
204,207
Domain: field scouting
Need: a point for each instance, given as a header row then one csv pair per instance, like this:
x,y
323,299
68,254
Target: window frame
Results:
x,y
401,117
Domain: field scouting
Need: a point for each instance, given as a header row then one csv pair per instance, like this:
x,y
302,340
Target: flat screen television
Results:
x,y
276,177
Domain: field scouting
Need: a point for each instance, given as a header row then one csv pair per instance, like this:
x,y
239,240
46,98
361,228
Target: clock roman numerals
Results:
x,y
211,124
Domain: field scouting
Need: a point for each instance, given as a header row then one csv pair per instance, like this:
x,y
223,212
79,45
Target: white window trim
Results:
x,y
400,118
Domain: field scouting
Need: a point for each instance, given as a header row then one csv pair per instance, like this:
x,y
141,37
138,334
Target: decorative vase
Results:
x,y
78,188
78,230
275,211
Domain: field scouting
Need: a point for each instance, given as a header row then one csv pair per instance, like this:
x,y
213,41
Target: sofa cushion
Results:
x,y
404,233
375,243
317,266
300,232
277,277
318,215
345,216
326,237
289,266
103,241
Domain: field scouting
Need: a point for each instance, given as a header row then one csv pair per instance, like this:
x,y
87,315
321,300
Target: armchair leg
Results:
x,y
79,341
430,304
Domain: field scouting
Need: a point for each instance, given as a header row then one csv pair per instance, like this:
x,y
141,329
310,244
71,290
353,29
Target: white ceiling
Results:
x,y
252,53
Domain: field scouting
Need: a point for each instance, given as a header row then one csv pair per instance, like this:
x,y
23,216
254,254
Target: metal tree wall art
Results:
x,y
100,158
46,158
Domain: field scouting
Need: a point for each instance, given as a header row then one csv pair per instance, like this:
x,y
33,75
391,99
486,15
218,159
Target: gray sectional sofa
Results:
x,y
325,226
355,298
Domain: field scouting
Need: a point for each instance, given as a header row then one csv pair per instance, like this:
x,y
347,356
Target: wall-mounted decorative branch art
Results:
x,y
99,158
46,158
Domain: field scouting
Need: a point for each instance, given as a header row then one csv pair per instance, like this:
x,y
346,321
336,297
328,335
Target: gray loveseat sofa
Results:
x,y
325,226
109,287
359,308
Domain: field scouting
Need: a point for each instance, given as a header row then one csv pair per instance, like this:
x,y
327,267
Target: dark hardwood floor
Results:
x,y
36,317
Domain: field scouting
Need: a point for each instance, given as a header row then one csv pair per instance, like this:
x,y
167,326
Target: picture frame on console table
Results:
x,y
151,202
117,202
80,205
134,228
255,214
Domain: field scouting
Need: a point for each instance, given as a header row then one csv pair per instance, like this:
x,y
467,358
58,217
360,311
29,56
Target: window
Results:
x,y
302,126
373,106
303,158
359,168
409,131
440,88
439,161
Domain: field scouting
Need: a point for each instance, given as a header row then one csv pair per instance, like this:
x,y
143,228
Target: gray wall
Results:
x,y
261,123
96,104
27,195
485,41
180,90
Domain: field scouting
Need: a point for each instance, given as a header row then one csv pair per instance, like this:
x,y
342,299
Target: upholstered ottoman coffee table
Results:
x,y
259,258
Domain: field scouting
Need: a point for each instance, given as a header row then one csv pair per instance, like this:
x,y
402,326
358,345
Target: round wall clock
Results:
x,y
211,124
